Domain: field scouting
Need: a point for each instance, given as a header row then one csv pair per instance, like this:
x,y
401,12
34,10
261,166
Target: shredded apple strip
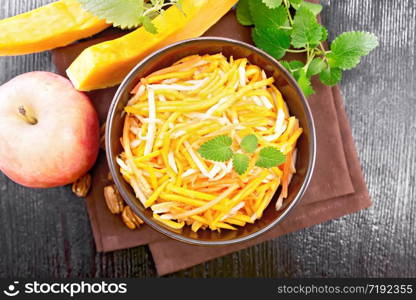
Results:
x,y
176,109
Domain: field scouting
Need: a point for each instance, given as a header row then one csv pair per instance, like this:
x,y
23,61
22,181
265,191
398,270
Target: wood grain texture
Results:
x,y
46,233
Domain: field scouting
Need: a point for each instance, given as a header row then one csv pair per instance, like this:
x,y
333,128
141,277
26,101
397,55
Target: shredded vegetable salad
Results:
x,y
174,111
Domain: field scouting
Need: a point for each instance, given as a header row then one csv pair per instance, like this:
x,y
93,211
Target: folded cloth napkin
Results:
x,y
171,256
337,187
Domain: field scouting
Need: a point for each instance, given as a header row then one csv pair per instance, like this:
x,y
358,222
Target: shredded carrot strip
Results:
x,y
286,173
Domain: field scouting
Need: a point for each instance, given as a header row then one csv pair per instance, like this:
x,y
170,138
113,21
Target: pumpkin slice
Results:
x,y
106,64
55,25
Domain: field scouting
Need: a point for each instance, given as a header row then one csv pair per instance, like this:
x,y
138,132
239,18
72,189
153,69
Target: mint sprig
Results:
x,y
129,14
281,24
219,149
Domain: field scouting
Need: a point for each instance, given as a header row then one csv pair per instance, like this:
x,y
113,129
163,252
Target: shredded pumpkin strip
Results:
x,y
155,195
186,200
170,223
174,111
210,204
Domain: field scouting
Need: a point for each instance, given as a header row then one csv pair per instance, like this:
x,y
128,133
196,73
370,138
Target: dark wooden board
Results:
x,y
46,233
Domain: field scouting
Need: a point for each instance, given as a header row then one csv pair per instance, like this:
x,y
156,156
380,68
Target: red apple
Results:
x,y
49,132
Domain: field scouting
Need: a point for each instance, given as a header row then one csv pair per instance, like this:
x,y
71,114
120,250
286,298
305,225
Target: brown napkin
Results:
x,y
332,192
171,256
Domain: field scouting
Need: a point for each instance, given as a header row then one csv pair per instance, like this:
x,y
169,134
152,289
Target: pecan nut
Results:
x,y
110,177
131,220
113,199
82,186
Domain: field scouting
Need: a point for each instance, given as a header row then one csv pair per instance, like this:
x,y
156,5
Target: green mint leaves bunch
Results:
x,y
282,26
219,149
128,14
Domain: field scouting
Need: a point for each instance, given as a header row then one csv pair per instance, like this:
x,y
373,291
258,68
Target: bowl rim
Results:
x,y
176,236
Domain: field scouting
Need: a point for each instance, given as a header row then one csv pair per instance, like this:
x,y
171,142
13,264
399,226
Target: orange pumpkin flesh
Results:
x,y
106,64
55,25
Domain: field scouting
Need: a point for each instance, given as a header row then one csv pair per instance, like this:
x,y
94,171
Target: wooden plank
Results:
x,y
47,233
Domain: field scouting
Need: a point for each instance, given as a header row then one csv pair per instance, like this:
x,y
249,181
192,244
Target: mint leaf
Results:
x,y
293,65
240,163
296,65
270,157
123,14
314,8
148,24
324,34
296,3
306,29
272,3
217,149
285,64
273,41
243,13
315,67
348,48
262,16
330,76
304,83
249,143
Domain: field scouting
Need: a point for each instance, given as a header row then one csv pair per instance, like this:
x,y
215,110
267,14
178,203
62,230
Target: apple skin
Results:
x,y
64,143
